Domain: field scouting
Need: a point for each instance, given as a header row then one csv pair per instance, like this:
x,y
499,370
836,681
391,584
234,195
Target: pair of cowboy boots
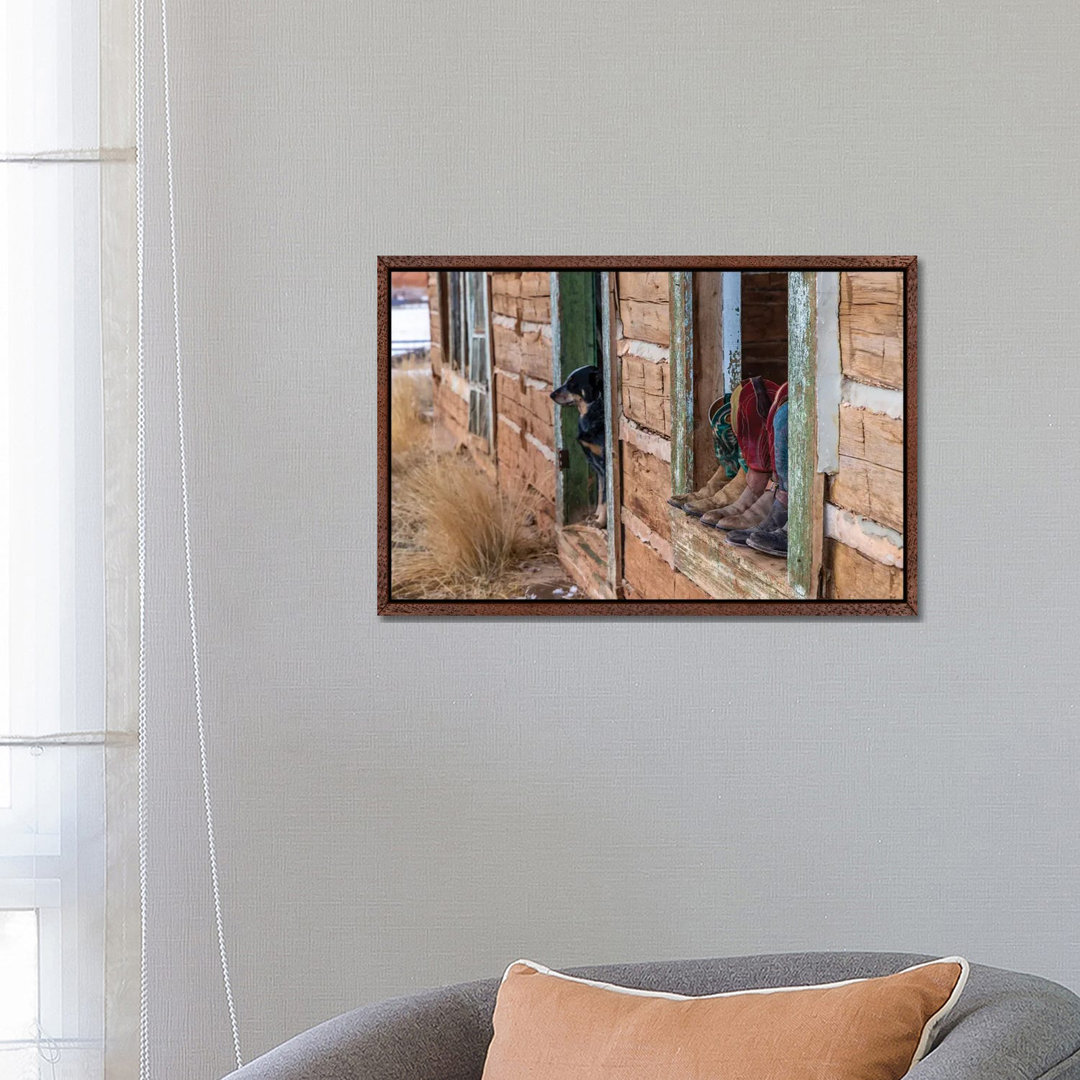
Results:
x,y
769,536
716,494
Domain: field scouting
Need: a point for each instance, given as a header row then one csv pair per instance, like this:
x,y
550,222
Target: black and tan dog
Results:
x,y
584,388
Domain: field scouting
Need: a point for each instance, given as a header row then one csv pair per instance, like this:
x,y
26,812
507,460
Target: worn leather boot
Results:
x,y
753,516
718,480
770,543
745,500
776,520
724,497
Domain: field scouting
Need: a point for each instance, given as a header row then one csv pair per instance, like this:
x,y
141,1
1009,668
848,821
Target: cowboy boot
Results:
x,y
745,500
776,520
770,543
724,497
753,516
718,480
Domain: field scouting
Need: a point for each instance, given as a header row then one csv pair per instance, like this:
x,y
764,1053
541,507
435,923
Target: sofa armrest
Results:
x,y
1007,1026
438,1035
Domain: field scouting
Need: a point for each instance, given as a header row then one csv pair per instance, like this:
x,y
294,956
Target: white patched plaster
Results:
x,y
508,323
646,350
644,439
875,398
870,538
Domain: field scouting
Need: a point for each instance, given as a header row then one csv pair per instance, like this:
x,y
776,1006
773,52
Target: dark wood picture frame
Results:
x,y
906,605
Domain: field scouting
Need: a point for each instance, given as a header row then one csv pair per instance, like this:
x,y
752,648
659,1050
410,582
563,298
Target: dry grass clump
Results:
x,y
455,536
410,431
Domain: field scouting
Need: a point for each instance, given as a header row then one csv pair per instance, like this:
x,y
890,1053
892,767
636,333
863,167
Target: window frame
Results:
x,y
457,330
478,370
718,568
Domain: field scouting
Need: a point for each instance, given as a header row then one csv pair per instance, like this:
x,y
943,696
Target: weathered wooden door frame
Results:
x,y
612,412
805,491
571,470
805,474
682,381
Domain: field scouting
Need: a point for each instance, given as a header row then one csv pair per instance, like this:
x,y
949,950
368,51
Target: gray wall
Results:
x,y
408,803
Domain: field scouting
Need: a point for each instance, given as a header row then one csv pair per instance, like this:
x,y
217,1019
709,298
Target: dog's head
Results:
x,y
584,384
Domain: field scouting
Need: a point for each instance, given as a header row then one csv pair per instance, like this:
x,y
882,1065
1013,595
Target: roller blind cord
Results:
x,y
140,98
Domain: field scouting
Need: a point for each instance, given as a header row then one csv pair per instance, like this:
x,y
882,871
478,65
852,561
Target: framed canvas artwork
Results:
x,y
647,436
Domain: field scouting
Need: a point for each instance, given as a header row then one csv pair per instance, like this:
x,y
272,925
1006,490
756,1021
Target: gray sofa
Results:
x,y
1006,1026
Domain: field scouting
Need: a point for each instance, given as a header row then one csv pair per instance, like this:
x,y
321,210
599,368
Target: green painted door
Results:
x,y
576,337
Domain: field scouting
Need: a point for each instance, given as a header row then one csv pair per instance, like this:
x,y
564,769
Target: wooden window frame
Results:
x,y
455,341
702,555
456,336
481,387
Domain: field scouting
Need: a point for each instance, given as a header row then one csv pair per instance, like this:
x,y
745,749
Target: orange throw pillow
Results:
x,y
550,1026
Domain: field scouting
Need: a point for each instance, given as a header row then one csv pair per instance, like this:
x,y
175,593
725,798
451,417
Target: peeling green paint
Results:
x,y
802,430
682,381
731,328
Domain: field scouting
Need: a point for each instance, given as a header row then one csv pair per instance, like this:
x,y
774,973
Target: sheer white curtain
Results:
x,y
54,197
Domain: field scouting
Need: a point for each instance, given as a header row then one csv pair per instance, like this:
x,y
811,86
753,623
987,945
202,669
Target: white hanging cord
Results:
x,y
211,847
140,215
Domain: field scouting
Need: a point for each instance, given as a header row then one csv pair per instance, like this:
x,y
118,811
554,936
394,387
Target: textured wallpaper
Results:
x,y
408,803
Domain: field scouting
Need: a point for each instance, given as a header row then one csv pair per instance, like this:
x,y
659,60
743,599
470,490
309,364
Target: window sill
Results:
x,y
583,551
724,571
